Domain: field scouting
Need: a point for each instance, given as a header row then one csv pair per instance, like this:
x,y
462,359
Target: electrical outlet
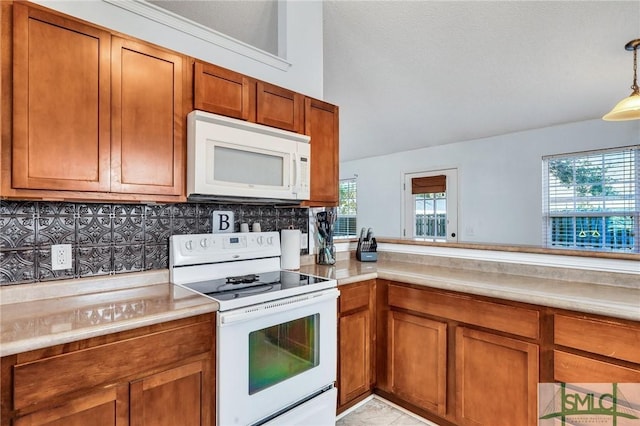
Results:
x,y
61,257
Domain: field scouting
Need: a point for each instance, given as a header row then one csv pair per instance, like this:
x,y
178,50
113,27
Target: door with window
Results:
x,y
431,205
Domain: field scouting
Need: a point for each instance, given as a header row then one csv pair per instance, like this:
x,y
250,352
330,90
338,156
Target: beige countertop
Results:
x,y
602,299
34,316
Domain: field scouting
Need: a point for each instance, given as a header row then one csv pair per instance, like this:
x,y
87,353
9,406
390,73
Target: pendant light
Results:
x,y
628,108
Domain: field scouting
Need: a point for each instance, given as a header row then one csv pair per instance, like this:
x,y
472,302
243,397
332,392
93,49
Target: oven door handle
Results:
x,y
270,308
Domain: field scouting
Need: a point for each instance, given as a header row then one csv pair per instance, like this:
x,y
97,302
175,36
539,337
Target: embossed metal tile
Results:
x,y
111,238
17,231
17,266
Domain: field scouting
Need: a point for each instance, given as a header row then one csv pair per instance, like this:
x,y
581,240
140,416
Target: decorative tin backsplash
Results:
x,y
112,238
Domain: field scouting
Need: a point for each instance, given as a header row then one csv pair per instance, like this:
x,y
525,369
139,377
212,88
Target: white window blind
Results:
x,y
591,200
346,221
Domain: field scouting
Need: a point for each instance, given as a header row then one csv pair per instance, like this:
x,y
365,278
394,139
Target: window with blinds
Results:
x,y
345,225
591,200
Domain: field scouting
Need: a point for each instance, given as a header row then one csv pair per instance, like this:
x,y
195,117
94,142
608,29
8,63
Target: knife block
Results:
x,y
366,250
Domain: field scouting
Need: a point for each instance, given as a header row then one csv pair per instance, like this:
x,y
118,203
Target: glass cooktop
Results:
x,y
258,288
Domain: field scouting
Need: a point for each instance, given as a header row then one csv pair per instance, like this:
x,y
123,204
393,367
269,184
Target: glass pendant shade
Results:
x,y
626,109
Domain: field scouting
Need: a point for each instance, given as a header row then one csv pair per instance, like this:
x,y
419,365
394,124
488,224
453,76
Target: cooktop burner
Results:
x,y
242,279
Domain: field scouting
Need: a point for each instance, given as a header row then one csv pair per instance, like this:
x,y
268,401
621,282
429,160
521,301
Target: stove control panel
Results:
x,y
193,249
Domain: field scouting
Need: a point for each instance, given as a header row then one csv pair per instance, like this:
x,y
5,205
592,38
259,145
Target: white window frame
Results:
x,y
575,214
354,180
408,203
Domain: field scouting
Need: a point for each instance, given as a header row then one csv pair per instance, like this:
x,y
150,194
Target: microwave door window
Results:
x,y
246,167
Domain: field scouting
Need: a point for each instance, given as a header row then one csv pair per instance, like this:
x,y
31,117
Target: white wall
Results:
x,y
499,179
300,71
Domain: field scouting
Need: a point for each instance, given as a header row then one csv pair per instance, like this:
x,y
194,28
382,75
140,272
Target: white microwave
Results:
x,y
229,158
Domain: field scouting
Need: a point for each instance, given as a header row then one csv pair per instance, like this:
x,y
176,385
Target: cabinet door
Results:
x,y
321,124
148,123
355,355
174,397
496,379
225,92
107,407
278,107
61,93
417,360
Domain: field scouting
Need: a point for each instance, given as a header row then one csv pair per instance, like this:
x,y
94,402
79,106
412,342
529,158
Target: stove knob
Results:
x,y
189,245
260,240
270,241
204,243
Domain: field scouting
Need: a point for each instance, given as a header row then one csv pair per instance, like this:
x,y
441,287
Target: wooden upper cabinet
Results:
x,y
95,116
61,91
321,124
225,92
147,119
279,107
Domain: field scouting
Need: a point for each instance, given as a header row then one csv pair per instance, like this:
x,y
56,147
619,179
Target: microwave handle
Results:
x,y
297,170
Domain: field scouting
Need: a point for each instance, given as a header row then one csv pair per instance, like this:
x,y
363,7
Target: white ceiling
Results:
x,y
412,74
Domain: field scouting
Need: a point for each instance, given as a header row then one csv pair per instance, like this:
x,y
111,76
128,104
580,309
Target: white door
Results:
x,y
432,216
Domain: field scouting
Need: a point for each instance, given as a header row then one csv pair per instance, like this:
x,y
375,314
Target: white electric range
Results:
x,y
276,329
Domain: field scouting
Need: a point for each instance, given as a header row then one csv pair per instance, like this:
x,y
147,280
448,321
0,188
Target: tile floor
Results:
x,y
377,412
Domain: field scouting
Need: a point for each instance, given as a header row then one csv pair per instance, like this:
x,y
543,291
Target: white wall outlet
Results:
x,y
304,241
61,257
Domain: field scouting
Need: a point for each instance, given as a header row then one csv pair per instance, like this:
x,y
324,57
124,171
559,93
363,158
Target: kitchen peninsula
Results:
x,y
410,328
438,334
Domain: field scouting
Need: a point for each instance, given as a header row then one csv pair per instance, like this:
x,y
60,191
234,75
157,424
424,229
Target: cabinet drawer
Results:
x,y
102,365
355,296
599,337
571,368
509,319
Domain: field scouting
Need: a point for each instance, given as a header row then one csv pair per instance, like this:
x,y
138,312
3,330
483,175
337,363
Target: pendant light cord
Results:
x,y
634,86
633,45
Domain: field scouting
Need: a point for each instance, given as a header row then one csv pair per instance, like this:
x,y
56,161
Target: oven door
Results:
x,y
274,356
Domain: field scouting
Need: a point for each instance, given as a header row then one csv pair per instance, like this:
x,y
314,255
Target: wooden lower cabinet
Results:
x,y
496,379
589,349
103,407
171,397
458,359
573,368
157,375
355,343
418,360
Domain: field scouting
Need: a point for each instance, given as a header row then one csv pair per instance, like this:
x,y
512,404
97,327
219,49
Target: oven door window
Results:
x,y
282,351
